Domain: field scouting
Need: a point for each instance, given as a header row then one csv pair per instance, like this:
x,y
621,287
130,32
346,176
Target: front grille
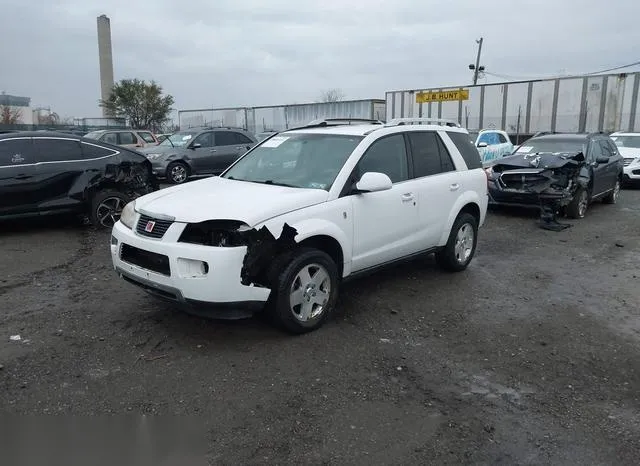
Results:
x,y
157,229
145,259
520,181
627,161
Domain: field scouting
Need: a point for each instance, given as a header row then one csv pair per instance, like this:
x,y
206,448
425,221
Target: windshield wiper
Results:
x,y
274,183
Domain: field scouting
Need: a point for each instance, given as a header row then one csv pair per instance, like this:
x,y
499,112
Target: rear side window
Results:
x,y
90,151
110,138
57,150
241,139
16,152
127,138
225,138
467,149
429,154
147,137
502,139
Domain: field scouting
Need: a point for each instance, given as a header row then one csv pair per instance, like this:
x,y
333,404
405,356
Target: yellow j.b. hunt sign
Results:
x,y
442,96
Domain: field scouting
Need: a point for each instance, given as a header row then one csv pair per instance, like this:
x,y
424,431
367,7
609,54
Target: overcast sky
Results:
x,y
261,52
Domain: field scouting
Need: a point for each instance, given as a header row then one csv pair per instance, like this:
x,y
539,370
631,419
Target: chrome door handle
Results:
x,y
454,187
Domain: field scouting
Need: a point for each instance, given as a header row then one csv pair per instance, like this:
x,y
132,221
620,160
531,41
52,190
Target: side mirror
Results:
x,y
482,144
372,182
602,159
195,146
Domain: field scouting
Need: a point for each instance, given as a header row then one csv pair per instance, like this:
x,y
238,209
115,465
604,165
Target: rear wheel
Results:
x,y
612,197
106,208
177,172
304,290
577,208
461,246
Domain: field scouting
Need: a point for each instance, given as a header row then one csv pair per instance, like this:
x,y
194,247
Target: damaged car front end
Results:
x,y
551,182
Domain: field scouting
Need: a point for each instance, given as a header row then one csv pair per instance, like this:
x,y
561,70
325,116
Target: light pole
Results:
x,y
477,68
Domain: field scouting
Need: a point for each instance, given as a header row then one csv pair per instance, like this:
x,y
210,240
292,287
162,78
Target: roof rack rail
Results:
x,y
405,121
343,121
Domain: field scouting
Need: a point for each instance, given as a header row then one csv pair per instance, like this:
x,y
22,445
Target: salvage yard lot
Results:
x,y
531,356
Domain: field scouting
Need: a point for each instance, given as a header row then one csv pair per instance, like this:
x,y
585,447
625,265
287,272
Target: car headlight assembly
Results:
x,y
153,156
128,215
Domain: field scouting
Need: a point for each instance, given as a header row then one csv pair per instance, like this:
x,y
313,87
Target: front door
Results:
x,y
202,153
17,176
385,223
601,182
129,140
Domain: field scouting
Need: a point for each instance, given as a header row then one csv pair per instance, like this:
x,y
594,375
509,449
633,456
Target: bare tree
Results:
x,y
9,115
332,95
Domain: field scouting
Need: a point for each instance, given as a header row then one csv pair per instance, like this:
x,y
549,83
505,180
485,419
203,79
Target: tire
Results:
x,y
461,246
106,207
577,208
178,172
288,283
612,197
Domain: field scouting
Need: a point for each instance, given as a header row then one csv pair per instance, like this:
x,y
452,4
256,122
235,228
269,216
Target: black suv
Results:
x,y
44,173
563,172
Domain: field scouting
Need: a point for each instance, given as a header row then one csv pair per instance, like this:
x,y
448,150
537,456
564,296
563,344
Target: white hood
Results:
x,y
629,151
220,198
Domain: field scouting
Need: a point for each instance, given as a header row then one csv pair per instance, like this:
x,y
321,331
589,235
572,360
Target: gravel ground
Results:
x,y
532,356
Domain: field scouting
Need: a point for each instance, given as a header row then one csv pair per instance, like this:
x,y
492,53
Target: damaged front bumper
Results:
x,y
530,188
200,279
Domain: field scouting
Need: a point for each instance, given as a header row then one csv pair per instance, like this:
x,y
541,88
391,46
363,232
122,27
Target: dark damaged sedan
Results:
x,y
558,173
44,173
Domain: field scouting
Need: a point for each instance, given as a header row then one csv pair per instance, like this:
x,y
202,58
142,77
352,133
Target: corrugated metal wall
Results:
x,y
572,104
280,117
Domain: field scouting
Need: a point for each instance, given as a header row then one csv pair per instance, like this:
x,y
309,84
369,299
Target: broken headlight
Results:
x,y
217,233
128,215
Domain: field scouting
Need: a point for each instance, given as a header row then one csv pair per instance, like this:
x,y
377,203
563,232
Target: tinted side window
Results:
x,y
57,150
127,138
225,138
242,139
606,150
16,152
147,137
445,157
502,139
204,139
89,151
595,151
425,152
387,155
467,149
110,138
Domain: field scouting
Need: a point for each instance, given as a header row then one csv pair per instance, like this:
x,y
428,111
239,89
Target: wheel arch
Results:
x,y
466,204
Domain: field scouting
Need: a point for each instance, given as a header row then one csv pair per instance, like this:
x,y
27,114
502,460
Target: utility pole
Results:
x,y
477,68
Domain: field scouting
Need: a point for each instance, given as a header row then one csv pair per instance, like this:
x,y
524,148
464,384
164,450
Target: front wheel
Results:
x,y
612,197
577,208
304,290
461,246
106,208
177,172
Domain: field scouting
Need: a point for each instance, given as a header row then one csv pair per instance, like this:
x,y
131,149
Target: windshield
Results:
x,y
627,141
533,146
300,160
179,139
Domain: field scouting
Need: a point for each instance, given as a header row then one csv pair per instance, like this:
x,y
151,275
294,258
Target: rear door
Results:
x,y
506,146
438,184
17,176
59,164
110,138
229,146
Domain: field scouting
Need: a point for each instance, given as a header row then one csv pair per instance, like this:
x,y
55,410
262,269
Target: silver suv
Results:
x,y
131,139
198,152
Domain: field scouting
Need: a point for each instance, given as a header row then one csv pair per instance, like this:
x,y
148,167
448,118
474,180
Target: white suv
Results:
x,y
300,212
629,146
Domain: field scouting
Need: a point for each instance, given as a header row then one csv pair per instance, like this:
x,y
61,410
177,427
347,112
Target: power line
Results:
x,y
510,77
